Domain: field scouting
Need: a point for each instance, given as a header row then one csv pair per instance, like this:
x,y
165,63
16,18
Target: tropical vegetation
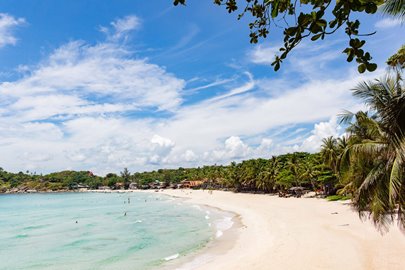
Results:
x,y
369,162
254,175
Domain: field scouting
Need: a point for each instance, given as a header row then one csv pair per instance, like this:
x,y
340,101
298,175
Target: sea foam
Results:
x,y
172,257
222,225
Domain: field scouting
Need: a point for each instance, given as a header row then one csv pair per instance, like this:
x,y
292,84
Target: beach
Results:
x,y
294,233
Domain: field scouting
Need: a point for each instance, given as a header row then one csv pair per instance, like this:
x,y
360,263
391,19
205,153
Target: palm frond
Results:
x,y
394,186
395,8
373,176
345,117
368,148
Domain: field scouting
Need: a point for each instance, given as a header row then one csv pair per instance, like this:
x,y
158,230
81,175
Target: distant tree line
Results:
x,y
254,175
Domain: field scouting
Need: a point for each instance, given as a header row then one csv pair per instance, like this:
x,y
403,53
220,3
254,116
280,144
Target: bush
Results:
x,y
338,198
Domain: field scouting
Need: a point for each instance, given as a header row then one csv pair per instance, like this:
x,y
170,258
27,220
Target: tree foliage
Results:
x,y
371,163
395,8
397,61
254,175
308,19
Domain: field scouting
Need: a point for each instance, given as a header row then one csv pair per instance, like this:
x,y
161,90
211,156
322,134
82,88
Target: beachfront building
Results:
x,y
157,185
133,185
191,183
154,184
145,186
173,186
80,187
119,186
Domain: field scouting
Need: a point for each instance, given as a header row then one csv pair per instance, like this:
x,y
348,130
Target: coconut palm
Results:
x,y
394,8
267,176
377,151
397,61
329,152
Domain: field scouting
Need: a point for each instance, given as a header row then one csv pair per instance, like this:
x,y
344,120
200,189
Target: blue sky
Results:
x,y
102,85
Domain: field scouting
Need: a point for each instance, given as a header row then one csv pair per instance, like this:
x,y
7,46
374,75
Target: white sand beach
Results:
x,y
291,233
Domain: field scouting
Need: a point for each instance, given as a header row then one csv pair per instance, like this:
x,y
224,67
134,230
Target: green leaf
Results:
x,y
321,23
274,11
332,23
361,68
176,2
350,56
371,67
315,37
276,64
371,8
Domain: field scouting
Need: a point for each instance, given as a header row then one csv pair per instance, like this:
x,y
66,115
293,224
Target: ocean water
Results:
x,y
101,230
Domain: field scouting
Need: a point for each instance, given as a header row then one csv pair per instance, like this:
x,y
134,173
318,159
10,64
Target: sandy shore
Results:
x,y
280,233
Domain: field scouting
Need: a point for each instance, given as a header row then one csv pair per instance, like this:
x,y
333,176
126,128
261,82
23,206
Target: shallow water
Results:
x,y
39,231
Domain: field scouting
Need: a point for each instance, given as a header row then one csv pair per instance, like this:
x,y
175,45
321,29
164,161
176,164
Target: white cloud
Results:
x,y
309,60
232,149
238,90
78,109
194,135
126,24
387,23
189,156
7,25
35,157
161,146
265,147
321,130
70,107
76,75
248,115
235,147
263,55
309,142
209,85
122,27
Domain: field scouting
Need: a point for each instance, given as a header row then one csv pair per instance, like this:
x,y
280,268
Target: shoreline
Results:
x,y
286,233
292,233
215,247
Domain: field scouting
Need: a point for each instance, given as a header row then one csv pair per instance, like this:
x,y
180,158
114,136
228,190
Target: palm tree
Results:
x,y
397,61
394,8
267,176
377,151
329,152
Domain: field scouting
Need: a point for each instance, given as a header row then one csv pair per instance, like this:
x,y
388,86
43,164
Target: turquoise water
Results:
x,y
39,231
